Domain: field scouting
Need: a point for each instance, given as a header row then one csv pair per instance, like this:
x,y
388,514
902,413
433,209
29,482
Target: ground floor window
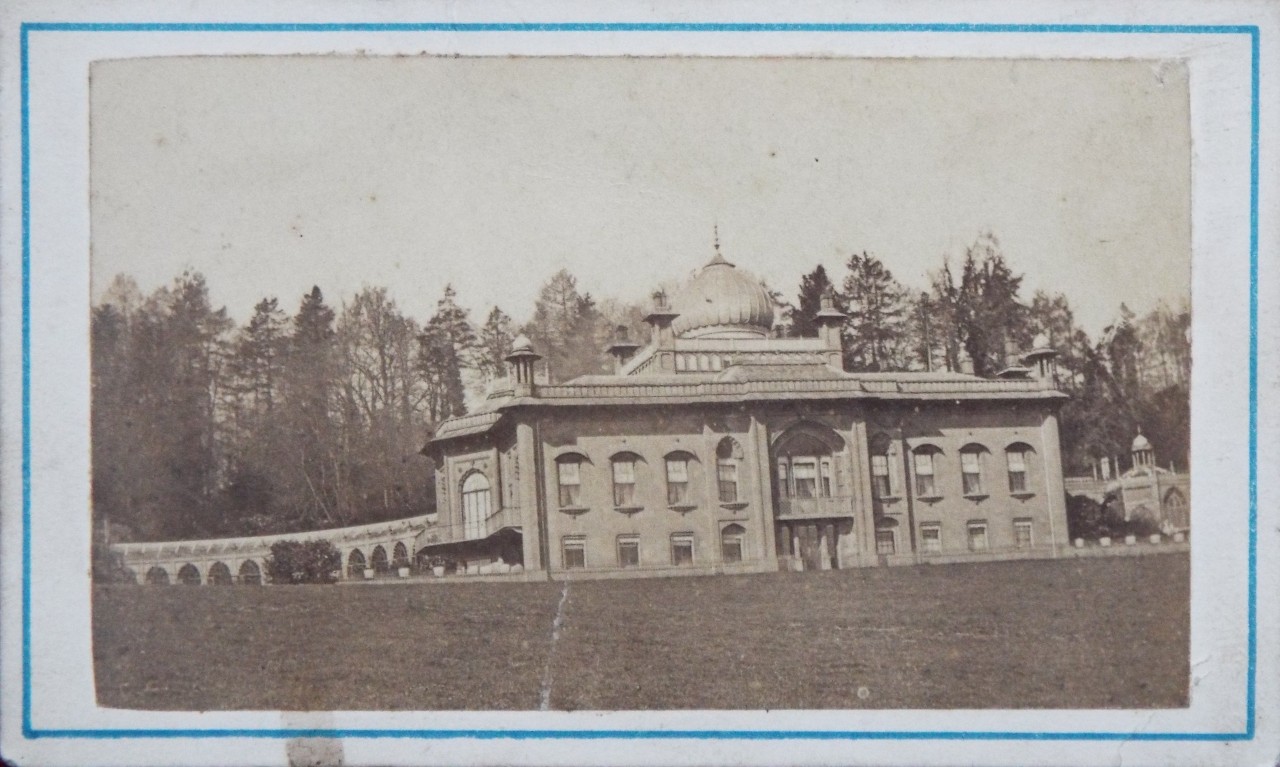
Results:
x,y
628,550
886,542
574,551
931,538
731,542
1022,533
977,536
682,549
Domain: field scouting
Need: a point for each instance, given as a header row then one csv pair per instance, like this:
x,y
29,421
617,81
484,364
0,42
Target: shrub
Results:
x,y
303,562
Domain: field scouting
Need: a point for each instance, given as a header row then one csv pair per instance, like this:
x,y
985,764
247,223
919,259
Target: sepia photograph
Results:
x,y
553,383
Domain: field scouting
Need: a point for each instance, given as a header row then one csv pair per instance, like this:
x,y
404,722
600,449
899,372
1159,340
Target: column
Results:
x,y
1054,486
528,472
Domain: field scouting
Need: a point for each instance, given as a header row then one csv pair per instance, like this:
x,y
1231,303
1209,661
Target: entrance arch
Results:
x,y
814,505
378,560
189,575
158,576
219,574
355,564
250,573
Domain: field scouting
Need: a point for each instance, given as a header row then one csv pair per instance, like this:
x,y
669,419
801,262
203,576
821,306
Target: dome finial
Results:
x,y
718,258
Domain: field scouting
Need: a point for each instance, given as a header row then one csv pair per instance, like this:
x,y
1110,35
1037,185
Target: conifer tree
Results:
x,y
876,331
813,286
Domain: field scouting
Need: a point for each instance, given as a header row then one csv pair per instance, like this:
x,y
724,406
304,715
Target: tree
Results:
x,y
992,322
813,286
494,341
445,346
876,331
567,329
294,562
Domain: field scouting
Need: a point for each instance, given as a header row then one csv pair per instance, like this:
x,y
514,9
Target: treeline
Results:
x,y
972,318
314,418
295,421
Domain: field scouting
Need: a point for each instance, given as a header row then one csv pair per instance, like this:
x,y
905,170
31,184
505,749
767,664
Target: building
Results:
x,y
718,448
1143,491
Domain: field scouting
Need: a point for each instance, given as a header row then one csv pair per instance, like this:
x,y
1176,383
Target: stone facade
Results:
x,y
721,449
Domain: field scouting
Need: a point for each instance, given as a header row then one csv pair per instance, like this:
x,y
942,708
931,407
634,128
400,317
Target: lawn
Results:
x,y
1089,633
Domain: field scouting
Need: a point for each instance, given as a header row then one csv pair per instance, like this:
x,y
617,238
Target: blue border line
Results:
x,y
30,732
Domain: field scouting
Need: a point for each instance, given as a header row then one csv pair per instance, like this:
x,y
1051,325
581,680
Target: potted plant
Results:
x,y
437,565
403,570
368,573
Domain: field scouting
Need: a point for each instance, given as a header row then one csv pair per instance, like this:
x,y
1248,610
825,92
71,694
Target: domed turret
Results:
x,y
722,302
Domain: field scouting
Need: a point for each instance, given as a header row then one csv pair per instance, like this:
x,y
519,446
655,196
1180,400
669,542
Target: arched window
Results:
x,y
1018,457
972,456
728,454
379,560
158,576
475,505
805,462
569,478
400,556
733,542
624,479
188,575
881,477
355,563
677,466
219,575
250,574
925,459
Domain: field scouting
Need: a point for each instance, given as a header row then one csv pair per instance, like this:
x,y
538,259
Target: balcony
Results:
x,y
457,532
816,508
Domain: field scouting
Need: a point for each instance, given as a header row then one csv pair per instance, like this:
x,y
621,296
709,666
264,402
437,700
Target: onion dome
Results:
x,y
1140,444
722,302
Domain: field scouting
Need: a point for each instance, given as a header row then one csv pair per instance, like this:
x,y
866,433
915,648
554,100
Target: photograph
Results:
x,y
640,383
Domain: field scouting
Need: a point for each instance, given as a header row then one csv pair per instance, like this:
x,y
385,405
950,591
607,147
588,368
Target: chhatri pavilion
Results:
x,y
715,447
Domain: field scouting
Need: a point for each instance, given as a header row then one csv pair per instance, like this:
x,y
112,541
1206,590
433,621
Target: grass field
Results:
x,y
1093,633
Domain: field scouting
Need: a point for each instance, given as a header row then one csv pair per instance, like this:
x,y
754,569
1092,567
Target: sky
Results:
x,y
273,174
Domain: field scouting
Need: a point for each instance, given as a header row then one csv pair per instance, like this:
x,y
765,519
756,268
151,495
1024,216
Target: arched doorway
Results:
x,y
355,564
250,574
219,574
378,560
475,505
158,576
814,504
188,575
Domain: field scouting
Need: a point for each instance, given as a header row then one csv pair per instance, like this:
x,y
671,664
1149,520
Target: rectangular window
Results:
x,y
677,481
570,483
628,551
977,536
971,472
1022,533
880,476
886,542
731,548
805,474
727,472
925,487
931,538
1017,471
784,482
624,482
681,363
574,552
682,549
824,469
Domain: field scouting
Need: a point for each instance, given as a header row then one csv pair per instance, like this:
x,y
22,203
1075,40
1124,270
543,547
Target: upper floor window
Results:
x,y
1018,456
728,454
624,480
925,458
475,505
971,469
677,479
805,466
881,479
569,471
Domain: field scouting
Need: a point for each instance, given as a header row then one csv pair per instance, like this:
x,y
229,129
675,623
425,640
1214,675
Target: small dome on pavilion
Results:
x,y
1140,443
722,301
